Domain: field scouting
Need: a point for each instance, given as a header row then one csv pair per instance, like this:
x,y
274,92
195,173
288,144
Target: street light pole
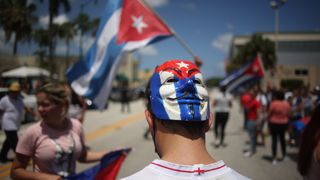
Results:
x,y
275,5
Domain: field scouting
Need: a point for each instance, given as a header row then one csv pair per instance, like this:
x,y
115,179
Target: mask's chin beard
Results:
x,y
186,95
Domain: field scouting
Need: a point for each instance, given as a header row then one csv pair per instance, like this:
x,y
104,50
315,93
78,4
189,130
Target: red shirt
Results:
x,y
253,107
245,99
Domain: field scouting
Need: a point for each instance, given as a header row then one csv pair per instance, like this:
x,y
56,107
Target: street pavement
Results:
x,y
113,129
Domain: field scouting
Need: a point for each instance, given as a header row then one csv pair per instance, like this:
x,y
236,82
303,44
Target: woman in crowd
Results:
x,y
222,103
279,112
55,143
309,153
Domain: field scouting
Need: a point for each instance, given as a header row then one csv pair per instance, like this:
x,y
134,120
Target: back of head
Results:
x,y
177,97
56,92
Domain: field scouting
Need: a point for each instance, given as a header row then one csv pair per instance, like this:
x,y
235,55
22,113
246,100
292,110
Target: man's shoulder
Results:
x,y
160,169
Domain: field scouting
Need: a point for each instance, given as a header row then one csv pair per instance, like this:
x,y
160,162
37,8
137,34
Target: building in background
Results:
x,y
298,57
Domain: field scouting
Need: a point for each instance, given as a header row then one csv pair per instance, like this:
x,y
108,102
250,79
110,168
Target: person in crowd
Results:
x,y
11,112
125,96
244,100
263,116
253,110
297,114
54,143
178,116
279,113
77,107
222,103
309,151
316,92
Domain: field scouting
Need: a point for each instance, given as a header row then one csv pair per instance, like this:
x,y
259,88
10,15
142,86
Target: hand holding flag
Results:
x,y
107,169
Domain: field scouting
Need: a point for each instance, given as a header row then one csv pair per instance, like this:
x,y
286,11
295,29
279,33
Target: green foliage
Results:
x,y
248,51
213,81
291,84
16,19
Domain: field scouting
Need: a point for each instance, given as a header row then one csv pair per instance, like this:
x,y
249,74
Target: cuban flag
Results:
x,y
107,169
126,25
252,71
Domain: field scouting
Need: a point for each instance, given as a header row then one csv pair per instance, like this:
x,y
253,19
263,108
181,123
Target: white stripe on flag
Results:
x,y
236,83
81,85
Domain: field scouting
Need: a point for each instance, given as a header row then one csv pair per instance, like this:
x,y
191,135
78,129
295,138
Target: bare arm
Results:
x,y
83,108
90,156
18,170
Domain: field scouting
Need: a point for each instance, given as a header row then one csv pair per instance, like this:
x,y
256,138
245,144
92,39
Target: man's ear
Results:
x,y
150,120
210,122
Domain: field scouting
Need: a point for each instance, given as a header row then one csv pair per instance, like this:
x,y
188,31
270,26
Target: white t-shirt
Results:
x,y
222,102
160,169
12,113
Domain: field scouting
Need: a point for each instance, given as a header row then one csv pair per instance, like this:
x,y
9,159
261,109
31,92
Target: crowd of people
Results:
x,y
177,112
292,119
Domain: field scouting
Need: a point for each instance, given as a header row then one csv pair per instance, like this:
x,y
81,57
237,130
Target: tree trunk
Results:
x,y
15,45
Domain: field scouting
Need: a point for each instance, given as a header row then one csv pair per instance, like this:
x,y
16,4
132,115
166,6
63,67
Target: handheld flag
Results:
x,y
107,169
126,25
249,72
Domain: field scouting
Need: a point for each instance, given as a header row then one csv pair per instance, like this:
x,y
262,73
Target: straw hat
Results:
x,y
15,86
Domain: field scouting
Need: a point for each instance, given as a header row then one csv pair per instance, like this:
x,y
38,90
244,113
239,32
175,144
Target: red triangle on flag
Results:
x,y
139,22
255,68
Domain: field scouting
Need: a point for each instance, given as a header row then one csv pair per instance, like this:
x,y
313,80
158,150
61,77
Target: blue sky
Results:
x,y
207,27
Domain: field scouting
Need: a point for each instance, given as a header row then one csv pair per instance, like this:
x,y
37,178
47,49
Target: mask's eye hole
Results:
x,y
197,81
171,80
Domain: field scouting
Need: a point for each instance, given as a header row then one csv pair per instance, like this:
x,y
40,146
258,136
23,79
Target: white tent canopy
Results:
x,y
26,71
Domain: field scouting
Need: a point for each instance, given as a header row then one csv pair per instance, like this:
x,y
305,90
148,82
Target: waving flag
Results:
x,y
107,169
249,72
126,25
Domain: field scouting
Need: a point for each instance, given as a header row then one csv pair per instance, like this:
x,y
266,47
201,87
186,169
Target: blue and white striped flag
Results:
x,y
126,25
249,72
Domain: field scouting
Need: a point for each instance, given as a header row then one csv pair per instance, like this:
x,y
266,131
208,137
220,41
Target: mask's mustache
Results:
x,y
187,95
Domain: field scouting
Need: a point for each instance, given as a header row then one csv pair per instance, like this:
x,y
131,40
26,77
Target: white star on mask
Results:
x,y
138,23
182,65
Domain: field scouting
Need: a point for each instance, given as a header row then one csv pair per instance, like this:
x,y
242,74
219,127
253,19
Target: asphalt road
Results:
x,y
113,129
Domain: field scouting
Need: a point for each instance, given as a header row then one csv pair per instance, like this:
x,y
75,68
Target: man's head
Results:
x,y
177,92
14,89
177,101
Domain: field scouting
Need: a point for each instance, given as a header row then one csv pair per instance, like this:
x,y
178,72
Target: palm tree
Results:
x,y
67,31
41,37
94,26
16,18
257,44
54,6
83,25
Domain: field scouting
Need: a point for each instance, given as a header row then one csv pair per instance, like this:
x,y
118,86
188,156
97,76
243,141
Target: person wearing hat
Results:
x,y
11,113
178,116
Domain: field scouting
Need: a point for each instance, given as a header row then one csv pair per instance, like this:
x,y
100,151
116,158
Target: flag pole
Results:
x,y
177,37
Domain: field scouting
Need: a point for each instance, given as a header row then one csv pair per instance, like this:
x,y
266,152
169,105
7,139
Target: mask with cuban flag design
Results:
x,y
178,92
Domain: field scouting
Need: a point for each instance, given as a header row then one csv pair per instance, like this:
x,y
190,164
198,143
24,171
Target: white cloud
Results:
x,y
44,20
222,43
148,51
157,3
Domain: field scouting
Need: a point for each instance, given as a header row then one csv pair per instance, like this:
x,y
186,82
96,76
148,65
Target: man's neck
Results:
x,y
180,150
